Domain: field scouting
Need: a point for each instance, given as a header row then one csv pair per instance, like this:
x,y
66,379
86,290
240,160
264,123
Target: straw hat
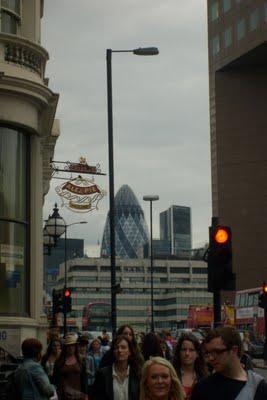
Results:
x,y
70,339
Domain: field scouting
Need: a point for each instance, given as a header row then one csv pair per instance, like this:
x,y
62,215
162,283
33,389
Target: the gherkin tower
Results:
x,y
131,231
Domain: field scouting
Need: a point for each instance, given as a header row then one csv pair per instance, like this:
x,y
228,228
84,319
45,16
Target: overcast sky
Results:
x,y
160,103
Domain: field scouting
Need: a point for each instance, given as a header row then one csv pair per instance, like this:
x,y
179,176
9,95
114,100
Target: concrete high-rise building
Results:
x,y
177,285
237,33
28,134
175,226
131,231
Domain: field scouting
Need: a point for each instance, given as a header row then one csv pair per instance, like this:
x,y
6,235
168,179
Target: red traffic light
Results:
x,y
221,236
67,293
264,288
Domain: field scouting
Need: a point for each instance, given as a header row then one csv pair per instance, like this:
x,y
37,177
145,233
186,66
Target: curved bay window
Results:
x,y
14,222
9,16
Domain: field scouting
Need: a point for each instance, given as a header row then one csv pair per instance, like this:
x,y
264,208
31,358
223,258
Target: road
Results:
x,y
261,371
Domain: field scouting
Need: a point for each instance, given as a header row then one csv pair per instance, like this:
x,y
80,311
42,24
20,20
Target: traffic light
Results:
x,y
263,296
67,300
57,298
219,259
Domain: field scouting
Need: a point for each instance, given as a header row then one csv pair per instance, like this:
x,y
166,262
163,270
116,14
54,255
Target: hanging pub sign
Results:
x,y
80,194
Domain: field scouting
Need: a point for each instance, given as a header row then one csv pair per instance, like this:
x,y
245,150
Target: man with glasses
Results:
x,y
223,350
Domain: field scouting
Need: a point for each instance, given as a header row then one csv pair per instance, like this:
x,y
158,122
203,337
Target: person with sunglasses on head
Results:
x,y
223,350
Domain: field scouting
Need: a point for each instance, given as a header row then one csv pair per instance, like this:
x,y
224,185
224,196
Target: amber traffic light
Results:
x,y
221,236
219,259
263,296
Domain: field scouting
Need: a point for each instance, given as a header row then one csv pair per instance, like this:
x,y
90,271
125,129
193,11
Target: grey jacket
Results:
x,y
249,390
32,381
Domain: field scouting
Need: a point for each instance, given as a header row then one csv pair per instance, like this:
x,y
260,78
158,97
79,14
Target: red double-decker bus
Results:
x,y
96,317
248,315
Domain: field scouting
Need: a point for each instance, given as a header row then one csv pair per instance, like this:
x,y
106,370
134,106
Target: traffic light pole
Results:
x,y
65,286
265,342
217,308
216,293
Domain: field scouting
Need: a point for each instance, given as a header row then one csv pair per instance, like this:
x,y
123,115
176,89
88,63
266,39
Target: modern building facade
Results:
x,y
52,260
131,231
28,133
177,284
237,33
175,226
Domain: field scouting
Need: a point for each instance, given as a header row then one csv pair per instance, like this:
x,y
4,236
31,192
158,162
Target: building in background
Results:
x,y
175,226
28,133
131,231
177,285
74,249
237,33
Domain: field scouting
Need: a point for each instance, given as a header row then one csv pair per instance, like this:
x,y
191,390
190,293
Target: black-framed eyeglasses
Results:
x,y
215,353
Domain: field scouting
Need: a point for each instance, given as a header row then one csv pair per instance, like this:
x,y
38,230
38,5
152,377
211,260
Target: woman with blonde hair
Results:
x,y
160,381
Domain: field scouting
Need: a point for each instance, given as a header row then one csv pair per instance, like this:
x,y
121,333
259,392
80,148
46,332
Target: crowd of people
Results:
x,y
155,368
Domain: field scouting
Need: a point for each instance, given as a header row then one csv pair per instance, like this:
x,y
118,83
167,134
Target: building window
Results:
x,y
214,10
9,16
14,222
254,19
228,34
240,29
12,5
215,45
226,5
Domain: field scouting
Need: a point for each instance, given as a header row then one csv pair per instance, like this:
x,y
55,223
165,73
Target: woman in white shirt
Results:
x,y
119,381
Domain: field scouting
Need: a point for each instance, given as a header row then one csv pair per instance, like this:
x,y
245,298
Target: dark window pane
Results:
x,y
8,23
13,174
13,260
13,5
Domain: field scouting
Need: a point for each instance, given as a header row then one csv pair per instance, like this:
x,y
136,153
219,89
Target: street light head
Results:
x,y
151,197
146,51
55,225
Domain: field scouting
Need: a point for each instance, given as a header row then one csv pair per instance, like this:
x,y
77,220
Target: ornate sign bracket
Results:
x,y
77,168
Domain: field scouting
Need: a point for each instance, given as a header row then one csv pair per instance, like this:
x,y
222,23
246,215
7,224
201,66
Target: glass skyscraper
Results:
x,y
175,225
131,232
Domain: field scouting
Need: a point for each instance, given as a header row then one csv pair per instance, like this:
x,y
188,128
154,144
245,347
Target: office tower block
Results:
x,y
237,33
175,226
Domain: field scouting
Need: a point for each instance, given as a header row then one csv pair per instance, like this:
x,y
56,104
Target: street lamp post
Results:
x,y
55,227
151,198
146,51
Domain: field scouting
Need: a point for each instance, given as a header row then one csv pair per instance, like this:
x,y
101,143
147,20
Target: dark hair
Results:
x,y
230,337
49,350
200,365
31,348
133,358
151,346
62,358
121,329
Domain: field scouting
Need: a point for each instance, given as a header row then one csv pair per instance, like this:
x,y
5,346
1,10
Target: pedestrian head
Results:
x,y
222,348
151,346
188,352
128,331
32,348
122,349
95,345
159,380
83,342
